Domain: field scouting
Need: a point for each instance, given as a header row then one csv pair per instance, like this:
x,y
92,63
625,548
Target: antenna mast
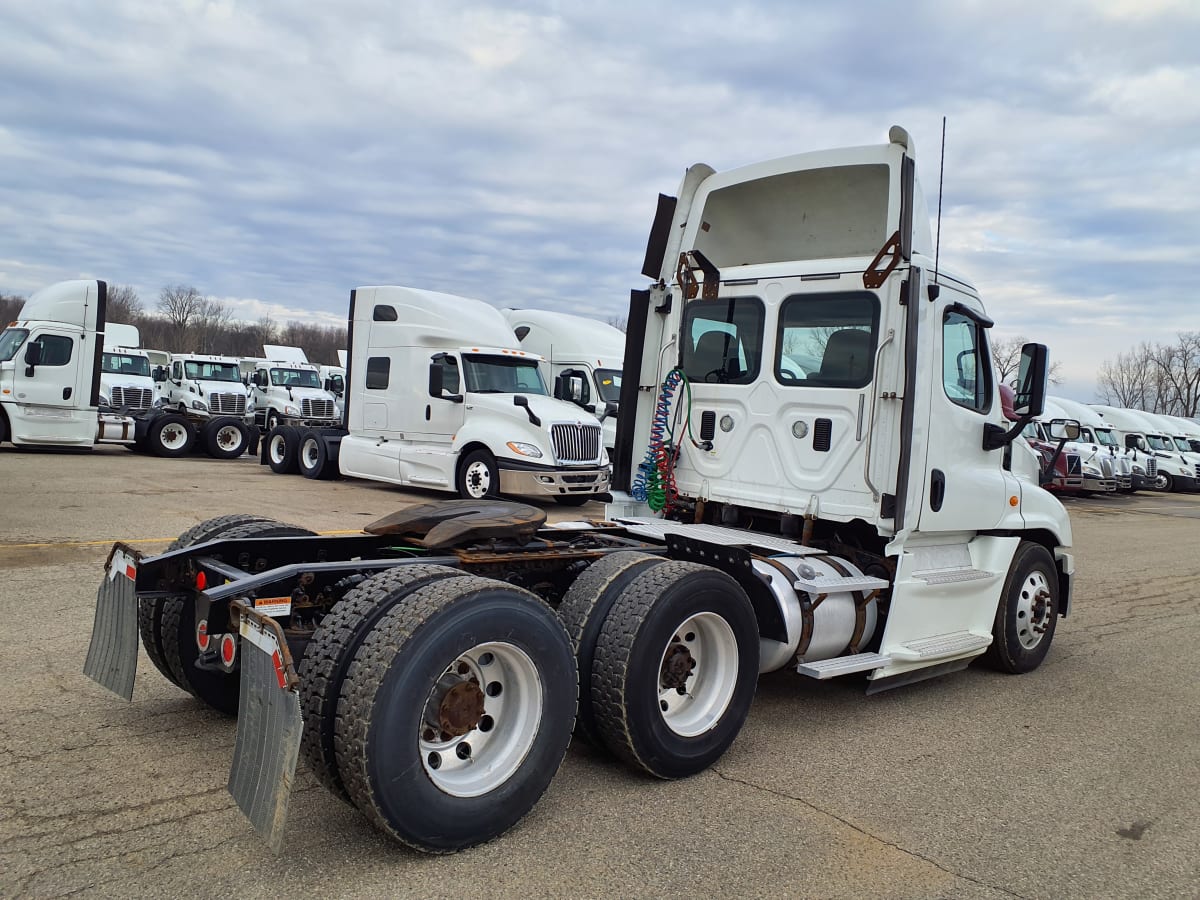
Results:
x,y
937,248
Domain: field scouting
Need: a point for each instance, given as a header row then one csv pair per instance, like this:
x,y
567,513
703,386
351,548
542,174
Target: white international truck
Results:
x,y
862,519
585,357
286,389
441,396
62,386
1153,452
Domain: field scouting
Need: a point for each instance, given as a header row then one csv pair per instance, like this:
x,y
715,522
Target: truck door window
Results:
x,y
722,340
966,368
827,340
379,369
449,367
177,371
11,341
384,313
608,385
56,349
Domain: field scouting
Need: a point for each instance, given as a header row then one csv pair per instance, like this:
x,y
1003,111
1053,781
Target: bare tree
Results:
x,y
618,322
10,308
210,326
124,305
180,305
1160,378
1006,355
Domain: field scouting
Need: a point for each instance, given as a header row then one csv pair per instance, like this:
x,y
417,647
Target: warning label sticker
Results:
x,y
273,606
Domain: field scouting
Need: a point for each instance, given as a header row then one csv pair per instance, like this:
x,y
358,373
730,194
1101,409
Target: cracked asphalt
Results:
x,y
1081,779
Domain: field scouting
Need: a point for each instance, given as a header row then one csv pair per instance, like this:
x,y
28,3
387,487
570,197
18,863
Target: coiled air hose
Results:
x,y
654,483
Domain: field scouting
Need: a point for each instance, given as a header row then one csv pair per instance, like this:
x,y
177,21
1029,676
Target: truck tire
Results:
x,y
170,435
1027,613
216,689
270,421
282,445
150,608
456,713
3,428
583,610
332,649
675,669
478,477
313,458
224,438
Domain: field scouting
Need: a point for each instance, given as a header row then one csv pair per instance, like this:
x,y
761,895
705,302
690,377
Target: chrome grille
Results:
x,y
1198,470
576,443
132,398
227,404
1106,466
316,409
1151,467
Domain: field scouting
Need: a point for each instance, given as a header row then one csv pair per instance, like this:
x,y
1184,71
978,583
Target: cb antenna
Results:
x,y
937,247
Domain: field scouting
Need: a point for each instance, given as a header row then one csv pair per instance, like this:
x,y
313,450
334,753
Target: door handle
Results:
x,y
937,489
66,393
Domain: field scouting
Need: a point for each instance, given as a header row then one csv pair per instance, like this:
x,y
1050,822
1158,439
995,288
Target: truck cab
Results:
x,y
1153,453
125,371
333,380
286,389
202,386
585,357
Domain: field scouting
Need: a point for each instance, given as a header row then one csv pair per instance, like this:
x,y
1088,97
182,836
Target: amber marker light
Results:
x,y
1013,501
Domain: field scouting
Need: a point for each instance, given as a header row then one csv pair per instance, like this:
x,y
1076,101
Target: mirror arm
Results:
x,y
995,437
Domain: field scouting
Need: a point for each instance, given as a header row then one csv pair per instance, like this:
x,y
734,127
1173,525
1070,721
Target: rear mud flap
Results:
x,y
113,652
269,728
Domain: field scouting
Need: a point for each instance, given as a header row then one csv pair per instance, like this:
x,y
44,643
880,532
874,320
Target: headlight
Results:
x,y
199,404
104,401
525,449
291,411
1094,471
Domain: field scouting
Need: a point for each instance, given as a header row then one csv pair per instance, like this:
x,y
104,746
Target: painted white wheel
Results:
x,y
173,437
697,674
229,437
480,719
1034,609
278,449
478,478
308,454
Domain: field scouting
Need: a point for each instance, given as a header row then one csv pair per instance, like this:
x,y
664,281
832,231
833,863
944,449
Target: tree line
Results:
x,y
1157,378
184,320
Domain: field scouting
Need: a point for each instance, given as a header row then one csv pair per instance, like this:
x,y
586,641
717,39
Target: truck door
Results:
x,y
444,417
57,380
960,486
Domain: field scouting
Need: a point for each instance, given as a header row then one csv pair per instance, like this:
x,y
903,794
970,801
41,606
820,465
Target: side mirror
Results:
x,y
436,387
328,385
1032,377
571,385
1064,429
33,357
611,409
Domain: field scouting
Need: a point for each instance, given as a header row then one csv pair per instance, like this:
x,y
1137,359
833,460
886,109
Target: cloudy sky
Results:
x,y
277,154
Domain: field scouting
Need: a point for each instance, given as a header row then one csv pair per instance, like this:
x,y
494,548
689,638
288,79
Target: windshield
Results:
x,y
294,378
1182,444
125,364
503,375
1105,437
11,341
608,385
211,371
1157,442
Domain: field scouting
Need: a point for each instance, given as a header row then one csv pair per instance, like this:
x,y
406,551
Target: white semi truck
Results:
x,y
1097,437
61,387
585,357
441,396
286,389
863,518
1097,468
1162,465
1175,438
203,386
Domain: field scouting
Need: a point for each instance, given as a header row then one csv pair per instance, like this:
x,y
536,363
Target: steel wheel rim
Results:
x,y
697,674
172,436
309,454
478,478
1034,609
490,751
229,437
278,448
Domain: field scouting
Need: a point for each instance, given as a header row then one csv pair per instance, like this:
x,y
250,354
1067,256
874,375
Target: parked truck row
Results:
x,y
812,471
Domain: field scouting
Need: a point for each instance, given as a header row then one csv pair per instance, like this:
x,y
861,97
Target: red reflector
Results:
x,y
131,573
201,581
275,658
202,634
228,648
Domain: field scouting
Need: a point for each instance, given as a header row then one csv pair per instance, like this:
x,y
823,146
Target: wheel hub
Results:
x,y
461,709
677,667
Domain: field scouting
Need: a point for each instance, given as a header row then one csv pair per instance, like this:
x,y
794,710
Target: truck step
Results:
x,y
826,584
952,576
842,665
940,646
658,529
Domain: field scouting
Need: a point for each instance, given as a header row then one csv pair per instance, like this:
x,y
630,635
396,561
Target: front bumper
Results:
x,y
1185,483
1099,485
539,481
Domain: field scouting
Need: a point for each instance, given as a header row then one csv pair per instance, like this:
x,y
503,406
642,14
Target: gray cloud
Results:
x,y
279,154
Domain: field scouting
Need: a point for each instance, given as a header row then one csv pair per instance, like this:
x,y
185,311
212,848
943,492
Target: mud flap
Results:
x,y
269,728
113,652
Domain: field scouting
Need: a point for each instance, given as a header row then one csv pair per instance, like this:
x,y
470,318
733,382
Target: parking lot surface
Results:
x,y
1081,779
